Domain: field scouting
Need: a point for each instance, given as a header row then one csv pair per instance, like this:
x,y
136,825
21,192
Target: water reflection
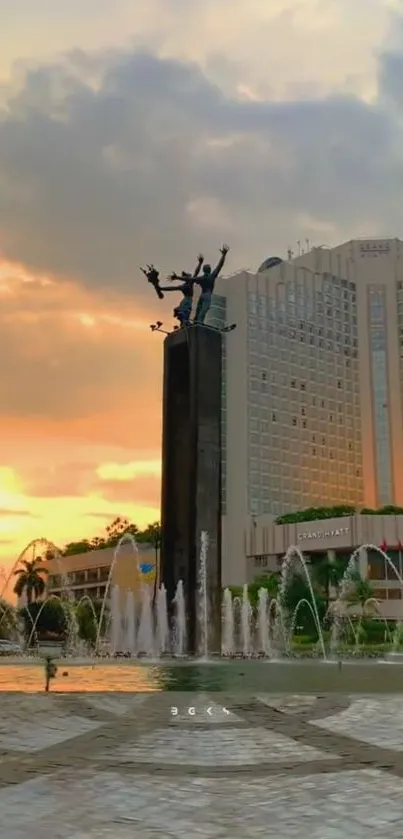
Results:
x,y
234,678
124,677
113,678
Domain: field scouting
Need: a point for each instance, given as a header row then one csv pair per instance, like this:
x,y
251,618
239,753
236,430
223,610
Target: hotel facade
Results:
x,y
266,545
312,387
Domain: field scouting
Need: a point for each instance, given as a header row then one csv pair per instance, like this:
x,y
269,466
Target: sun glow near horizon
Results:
x,y
75,451
63,519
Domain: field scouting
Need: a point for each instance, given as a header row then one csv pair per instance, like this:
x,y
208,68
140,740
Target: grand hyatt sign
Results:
x,y
323,534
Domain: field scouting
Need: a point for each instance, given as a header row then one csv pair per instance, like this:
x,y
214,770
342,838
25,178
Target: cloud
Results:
x,y
276,48
8,513
71,480
137,483
122,472
97,179
144,491
78,364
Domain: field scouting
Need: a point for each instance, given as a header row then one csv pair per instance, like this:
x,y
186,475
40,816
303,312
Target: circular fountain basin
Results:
x,y
232,677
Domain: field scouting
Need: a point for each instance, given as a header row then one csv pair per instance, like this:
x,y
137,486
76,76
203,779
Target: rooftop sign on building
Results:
x,y
374,248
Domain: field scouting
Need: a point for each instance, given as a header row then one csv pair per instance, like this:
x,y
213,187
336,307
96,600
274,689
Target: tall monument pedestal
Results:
x,y
191,479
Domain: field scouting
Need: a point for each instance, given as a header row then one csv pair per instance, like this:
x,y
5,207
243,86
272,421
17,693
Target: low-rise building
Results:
x,y
266,544
87,574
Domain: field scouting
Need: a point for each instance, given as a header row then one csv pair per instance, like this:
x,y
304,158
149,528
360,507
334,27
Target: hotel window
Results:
x,y
376,566
394,593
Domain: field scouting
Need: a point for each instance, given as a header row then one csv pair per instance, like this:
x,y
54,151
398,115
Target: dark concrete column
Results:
x,y
191,474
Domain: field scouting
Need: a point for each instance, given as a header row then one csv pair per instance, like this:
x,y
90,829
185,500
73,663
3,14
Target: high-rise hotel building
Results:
x,y
312,386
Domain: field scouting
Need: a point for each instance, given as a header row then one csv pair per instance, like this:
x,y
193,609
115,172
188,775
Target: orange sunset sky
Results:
x,y
134,132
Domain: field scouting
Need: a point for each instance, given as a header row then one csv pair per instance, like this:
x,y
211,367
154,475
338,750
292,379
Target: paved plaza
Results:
x,y
141,766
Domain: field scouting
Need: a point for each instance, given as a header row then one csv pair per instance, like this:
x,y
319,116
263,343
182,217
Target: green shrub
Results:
x,y
236,591
375,630
303,640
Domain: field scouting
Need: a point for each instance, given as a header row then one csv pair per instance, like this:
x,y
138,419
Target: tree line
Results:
x,y
119,527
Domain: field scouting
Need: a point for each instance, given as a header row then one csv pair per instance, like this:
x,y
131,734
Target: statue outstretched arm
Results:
x,y
153,277
224,250
151,273
200,260
171,287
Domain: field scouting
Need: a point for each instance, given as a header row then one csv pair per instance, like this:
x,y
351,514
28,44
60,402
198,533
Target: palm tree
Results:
x,y
8,620
362,594
271,582
329,574
120,527
30,580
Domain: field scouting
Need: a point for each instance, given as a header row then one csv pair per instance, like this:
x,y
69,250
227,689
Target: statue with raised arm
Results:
x,y
153,277
207,283
183,312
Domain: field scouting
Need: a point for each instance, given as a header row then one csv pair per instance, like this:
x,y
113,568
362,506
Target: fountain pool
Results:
x,y
135,624
228,678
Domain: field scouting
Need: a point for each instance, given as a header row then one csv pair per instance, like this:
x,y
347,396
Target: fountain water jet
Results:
x,y
126,538
145,638
179,640
263,622
202,604
246,621
130,624
162,621
291,554
116,621
40,610
303,602
279,629
228,643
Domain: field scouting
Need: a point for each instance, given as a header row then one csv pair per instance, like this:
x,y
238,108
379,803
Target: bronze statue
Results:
x,y
183,312
207,283
153,277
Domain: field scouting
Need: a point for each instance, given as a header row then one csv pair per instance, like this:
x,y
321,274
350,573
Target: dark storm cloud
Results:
x,y
99,176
